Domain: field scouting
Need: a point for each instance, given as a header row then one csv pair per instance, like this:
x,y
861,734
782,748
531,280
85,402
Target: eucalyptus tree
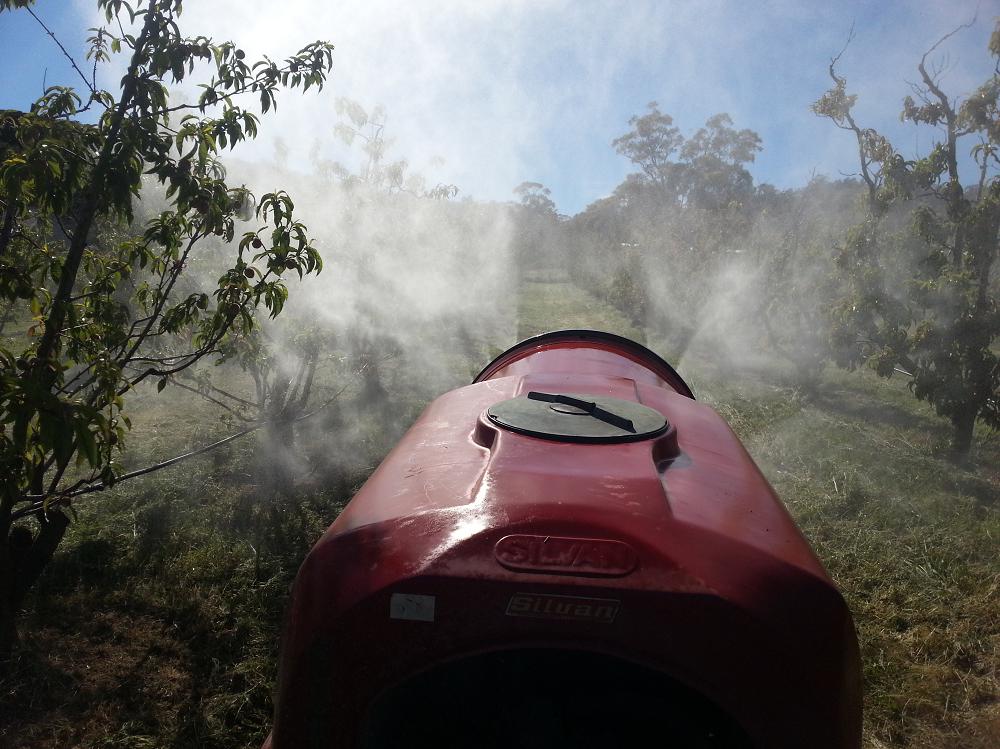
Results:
x,y
714,173
707,170
536,197
101,298
684,211
366,129
651,144
928,305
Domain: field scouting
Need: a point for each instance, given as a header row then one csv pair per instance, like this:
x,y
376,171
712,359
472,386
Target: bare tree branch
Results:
x,y
67,55
44,503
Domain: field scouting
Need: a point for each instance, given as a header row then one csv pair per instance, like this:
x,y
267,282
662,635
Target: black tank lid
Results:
x,y
590,419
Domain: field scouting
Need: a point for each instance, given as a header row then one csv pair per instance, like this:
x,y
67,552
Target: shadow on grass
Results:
x,y
150,661
985,493
91,663
966,474
33,689
860,405
169,632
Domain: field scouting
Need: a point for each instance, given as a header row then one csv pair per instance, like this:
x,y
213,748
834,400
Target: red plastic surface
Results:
x,y
701,571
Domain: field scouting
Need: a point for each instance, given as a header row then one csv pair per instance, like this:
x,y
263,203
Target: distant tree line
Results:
x,y
895,269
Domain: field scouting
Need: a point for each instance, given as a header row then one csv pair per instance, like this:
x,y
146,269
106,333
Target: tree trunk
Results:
x,y
278,457
8,612
8,227
961,439
22,560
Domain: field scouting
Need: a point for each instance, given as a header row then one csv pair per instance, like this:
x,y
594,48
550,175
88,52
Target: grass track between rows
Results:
x,y
157,624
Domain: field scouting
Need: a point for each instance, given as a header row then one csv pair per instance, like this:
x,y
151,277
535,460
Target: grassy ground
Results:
x,y
551,303
157,624
911,539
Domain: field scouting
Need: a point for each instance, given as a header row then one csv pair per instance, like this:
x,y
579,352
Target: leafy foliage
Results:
x,y
709,169
938,320
106,307
795,284
536,197
358,126
656,246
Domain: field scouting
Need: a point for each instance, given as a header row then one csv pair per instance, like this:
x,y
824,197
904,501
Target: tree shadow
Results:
x,y
91,666
90,562
985,493
33,690
855,403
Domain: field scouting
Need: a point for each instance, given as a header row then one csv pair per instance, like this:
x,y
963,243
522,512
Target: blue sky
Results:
x,y
507,91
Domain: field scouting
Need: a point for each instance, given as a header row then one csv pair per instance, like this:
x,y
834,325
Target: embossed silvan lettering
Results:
x,y
520,605
565,555
546,606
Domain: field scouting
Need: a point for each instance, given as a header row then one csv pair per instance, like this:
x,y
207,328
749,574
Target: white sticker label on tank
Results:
x,y
411,607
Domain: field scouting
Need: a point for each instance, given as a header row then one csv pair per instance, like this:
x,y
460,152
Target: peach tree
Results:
x,y
927,303
100,296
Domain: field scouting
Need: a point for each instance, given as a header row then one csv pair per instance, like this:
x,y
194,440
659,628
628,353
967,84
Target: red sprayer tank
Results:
x,y
569,552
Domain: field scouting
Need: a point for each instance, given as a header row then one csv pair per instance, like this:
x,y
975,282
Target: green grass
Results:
x,y
552,305
912,539
157,623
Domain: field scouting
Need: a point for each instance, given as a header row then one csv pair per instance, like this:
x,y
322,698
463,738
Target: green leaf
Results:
x,y
88,445
63,445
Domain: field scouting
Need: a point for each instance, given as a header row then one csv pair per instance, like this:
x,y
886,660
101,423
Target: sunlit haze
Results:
x,y
489,94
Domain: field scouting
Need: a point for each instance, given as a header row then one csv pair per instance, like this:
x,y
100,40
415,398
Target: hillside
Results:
x,y
158,621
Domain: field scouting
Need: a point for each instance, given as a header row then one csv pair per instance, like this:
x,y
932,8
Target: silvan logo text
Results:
x,y
575,556
543,606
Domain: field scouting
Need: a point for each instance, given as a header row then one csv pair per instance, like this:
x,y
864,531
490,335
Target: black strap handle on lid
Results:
x,y
589,406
